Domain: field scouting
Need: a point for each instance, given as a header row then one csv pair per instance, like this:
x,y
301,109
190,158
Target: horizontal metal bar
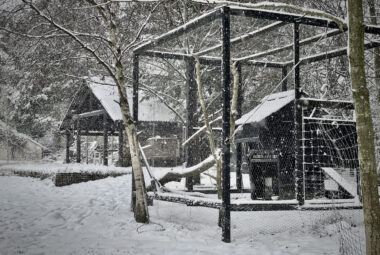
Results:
x,y
372,29
261,63
207,60
283,16
245,37
187,27
291,18
314,102
331,54
342,121
290,46
98,134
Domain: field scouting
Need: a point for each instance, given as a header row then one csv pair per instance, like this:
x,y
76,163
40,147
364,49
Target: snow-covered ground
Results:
x,y
95,218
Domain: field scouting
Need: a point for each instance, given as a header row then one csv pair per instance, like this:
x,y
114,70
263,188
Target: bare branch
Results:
x,y
132,44
72,35
99,8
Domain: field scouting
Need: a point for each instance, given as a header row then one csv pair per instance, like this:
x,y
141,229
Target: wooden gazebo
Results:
x,y
95,111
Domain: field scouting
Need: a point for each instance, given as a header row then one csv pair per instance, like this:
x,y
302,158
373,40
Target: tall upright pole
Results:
x,y
67,146
191,108
298,171
105,140
284,83
121,144
78,141
135,77
226,154
239,179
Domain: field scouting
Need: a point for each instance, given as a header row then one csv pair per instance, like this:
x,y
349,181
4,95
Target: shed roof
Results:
x,y
268,105
15,137
106,92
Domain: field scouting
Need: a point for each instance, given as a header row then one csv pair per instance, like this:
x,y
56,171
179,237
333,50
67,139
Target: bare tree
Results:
x,y
110,50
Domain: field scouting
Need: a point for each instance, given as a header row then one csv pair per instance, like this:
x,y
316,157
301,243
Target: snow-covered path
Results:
x,y
95,218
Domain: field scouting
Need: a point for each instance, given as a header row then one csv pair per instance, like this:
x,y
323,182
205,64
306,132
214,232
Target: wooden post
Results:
x,y
298,171
191,107
105,140
78,141
67,146
87,142
239,179
226,80
121,145
284,84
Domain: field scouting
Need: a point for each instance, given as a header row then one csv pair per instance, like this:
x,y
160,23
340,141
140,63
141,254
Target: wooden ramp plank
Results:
x,y
256,205
349,187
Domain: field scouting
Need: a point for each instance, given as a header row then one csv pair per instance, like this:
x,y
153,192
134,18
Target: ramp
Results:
x,y
338,178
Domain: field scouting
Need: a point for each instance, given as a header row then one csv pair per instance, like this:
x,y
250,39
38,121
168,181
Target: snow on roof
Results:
x,y
106,92
268,105
16,137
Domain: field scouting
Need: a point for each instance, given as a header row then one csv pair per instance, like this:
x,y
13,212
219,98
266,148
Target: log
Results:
x,y
188,172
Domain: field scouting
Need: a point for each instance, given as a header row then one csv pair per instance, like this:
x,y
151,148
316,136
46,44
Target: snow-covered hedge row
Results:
x,y
54,168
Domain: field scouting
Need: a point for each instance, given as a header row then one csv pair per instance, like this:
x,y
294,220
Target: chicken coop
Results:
x,y
328,148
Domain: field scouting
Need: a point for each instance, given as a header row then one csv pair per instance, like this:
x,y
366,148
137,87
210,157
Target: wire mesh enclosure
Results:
x,y
293,167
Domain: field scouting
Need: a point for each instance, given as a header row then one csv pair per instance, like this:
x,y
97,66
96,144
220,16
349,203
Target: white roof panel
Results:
x,y
106,92
268,105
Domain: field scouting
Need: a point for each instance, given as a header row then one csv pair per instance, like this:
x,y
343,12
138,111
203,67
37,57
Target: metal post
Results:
x,y
298,171
239,179
105,140
78,141
121,145
226,80
87,142
135,76
284,83
67,146
191,108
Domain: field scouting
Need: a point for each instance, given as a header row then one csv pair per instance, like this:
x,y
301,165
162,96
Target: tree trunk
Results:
x,y
210,134
141,205
367,159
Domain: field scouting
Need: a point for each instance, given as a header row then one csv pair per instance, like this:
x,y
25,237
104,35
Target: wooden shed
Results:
x,y
95,111
17,146
328,143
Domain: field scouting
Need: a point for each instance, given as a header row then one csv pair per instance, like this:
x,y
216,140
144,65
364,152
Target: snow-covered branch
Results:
x,y
72,35
142,27
47,36
200,131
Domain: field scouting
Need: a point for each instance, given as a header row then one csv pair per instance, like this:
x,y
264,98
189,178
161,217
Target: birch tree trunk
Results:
x,y
209,130
141,205
367,159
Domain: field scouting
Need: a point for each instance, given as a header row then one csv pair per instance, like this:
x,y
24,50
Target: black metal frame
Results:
x,y
224,14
